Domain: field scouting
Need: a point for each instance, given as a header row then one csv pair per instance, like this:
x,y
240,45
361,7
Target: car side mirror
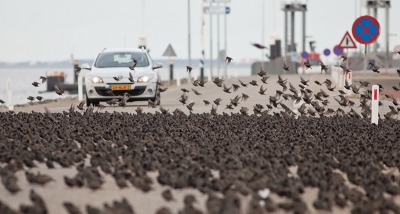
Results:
x,y
157,65
86,66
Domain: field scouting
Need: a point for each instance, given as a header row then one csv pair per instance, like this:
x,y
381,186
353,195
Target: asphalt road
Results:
x,y
170,98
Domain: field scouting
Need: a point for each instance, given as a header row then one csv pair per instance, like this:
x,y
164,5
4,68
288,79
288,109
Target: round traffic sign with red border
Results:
x,y
366,29
338,50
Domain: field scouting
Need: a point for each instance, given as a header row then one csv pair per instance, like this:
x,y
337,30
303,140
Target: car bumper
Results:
x,y
138,91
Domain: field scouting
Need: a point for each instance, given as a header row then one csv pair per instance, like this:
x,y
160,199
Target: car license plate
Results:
x,y
121,87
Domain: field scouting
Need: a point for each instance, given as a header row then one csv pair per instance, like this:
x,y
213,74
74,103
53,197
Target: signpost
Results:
x,y
346,42
375,104
366,30
327,52
169,52
214,10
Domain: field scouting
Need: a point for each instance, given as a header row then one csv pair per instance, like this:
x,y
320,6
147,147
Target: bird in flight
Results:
x,y
131,77
134,64
285,67
343,57
188,69
118,78
59,91
77,70
228,59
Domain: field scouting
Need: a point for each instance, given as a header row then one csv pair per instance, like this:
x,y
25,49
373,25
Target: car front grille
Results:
x,y
138,90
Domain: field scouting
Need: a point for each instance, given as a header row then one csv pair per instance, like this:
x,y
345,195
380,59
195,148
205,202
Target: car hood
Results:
x,y
121,71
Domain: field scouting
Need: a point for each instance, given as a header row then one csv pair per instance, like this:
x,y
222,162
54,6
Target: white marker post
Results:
x,y
80,89
375,104
9,92
178,79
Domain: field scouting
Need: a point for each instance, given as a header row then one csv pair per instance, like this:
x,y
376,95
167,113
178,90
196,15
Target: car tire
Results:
x,y
89,101
155,98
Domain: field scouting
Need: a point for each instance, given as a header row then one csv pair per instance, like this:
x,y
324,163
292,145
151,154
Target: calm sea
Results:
x,y
23,77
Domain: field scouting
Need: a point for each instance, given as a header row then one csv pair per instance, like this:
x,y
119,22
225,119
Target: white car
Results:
x,y
112,64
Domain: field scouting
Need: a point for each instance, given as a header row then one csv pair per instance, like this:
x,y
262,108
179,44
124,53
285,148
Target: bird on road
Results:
x,y
31,98
36,84
39,98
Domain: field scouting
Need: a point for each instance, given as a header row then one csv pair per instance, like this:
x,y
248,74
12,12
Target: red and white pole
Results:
x,y
375,104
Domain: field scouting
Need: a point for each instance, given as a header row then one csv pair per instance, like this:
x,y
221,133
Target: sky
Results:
x,y
49,30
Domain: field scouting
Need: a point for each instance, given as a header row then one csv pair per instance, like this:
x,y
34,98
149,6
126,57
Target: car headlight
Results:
x,y
94,79
97,80
145,78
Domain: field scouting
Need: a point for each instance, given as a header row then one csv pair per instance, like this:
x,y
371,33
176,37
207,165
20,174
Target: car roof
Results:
x,y
123,50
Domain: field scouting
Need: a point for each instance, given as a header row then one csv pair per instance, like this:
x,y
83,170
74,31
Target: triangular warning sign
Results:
x,y
347,41
169,51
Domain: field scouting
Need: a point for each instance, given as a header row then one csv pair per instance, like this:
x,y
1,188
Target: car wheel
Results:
x,y
155,98
89,101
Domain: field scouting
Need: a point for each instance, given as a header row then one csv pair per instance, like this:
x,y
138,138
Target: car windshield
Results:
x,y
121,59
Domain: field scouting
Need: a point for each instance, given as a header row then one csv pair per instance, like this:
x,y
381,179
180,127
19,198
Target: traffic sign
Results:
x,y
169,51
217,10
347,41
366,29
294,56
338,50
304,55
327,52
